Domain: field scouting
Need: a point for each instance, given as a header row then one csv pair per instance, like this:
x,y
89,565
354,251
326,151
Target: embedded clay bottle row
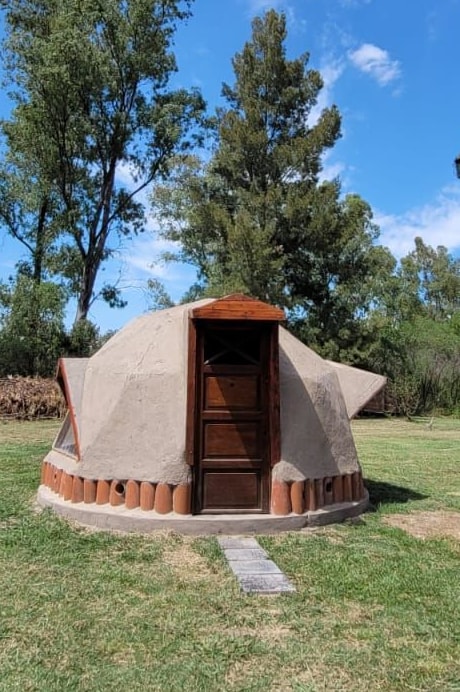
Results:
x,y
161,497
297,497
307,496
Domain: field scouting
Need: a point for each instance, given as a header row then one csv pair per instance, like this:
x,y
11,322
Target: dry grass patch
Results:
x,y
24,432
318,676
357,613
271,634
427,524
186,564
243,674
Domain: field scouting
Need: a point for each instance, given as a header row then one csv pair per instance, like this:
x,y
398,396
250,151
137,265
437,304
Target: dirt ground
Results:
x,y
427,524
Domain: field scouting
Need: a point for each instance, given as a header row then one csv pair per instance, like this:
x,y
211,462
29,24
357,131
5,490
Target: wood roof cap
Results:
x,y
239,307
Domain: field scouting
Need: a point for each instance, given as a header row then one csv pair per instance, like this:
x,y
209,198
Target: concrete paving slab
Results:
x,y
266,584
255,572
245,554
241,567
238,543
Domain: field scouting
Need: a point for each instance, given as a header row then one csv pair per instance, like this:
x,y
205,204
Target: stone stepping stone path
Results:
x,y
252,567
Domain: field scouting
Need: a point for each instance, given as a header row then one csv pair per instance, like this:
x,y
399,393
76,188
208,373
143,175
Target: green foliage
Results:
x,y
92,108
422,359
32,333
31,327
26,213
83,339
256,219
158,297
415,328
434,276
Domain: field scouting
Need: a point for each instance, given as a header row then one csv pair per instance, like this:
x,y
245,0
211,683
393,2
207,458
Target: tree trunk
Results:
x,y
40,244
85,296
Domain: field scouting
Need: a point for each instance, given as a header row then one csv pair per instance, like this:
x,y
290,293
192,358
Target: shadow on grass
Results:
x,y
381,493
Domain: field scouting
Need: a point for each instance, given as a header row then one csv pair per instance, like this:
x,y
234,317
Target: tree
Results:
x,y
92,107
415,323
257,218
421,358
27,208
31,327
435,276
158,297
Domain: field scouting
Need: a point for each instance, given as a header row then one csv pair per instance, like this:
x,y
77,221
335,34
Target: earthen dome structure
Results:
x,y
207,417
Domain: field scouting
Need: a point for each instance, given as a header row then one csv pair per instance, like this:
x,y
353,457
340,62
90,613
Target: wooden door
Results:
x,y
232,469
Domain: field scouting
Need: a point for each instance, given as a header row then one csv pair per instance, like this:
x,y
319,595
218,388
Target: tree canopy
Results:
x,y
93,108
258,217
95,123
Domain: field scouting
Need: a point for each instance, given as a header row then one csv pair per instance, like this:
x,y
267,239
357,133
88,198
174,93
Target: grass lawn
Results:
x,y
375,608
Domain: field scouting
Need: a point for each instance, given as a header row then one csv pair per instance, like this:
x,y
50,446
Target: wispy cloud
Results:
x,y
432,25
295,23
258,6
376,62
438,223
331,70
354,3
202,51
331,169
141,257
142,260
145,256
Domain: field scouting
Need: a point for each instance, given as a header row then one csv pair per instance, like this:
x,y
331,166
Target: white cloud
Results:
x,y
332,169
437,223
143,259
330,72
375,62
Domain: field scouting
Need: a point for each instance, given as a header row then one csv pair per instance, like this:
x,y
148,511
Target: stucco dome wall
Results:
x,y
316,439
134,402
133,408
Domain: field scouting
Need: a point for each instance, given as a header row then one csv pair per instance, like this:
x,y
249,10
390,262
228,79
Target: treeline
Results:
x,y
239,194
32,330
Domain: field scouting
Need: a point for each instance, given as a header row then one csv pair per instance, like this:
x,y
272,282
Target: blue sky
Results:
x,y
391,66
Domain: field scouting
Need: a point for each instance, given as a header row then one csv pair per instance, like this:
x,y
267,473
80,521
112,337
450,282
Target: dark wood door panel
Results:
x,y
232,426
235,416
231,464
232,392
239,440
233,491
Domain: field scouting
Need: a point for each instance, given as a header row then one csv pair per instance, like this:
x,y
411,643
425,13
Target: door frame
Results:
x,y
237,309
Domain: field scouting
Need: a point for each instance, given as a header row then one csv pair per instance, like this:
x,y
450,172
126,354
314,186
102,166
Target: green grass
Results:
x,y
375,608
424,464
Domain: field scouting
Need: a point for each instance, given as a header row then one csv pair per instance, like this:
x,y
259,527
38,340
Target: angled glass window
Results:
x,y
65,440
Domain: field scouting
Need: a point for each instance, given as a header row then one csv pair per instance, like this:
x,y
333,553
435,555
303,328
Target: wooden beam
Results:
x,y
274,398
239,307
63,382
191,394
